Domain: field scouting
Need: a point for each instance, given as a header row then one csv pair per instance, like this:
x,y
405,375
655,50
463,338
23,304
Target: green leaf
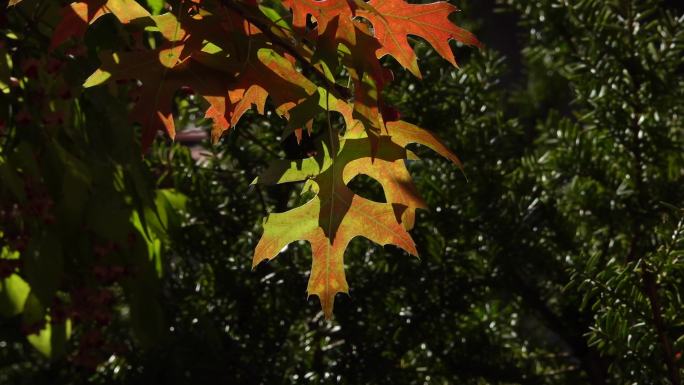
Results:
x,y
34,311
5,71
174,204
13,294
13,290
156,6
142,291
51,340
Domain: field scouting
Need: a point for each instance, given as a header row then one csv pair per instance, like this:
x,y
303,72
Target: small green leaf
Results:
x,y
142,291
51,340
13,290
98,77
156,6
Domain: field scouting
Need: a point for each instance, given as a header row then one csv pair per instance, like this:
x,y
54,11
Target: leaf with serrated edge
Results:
x,y
336,214
234,66
329,222
394,20
404,133
324,12
162,74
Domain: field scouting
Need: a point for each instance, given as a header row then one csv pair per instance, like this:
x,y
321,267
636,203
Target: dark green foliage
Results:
x,y
559,260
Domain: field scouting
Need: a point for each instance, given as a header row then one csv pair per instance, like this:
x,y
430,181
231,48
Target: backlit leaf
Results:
x,y
396,19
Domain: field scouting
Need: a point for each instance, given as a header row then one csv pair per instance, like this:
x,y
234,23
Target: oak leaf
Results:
x,y
336,215
239,55
77,16
338,14
330,221
231,77
162,73
394,20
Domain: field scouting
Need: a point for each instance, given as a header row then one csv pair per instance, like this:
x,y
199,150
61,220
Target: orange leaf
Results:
x,y
336,214
324,12
331,220
77,16
162,73
394,20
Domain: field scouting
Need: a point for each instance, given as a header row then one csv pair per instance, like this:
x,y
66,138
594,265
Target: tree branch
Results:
x,y
648,277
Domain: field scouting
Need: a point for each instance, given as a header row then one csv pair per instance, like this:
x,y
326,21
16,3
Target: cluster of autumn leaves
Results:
x,y
312,60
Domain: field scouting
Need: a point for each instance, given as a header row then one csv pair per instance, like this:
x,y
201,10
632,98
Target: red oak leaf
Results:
x,y
394,20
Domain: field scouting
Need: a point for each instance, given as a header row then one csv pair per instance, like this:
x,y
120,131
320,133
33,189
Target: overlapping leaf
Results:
x,y
162,73
324,12
336,214
393,21
78,15
230,77
236,55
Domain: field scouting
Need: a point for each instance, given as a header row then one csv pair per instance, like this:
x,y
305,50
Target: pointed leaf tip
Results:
x,y
98,77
